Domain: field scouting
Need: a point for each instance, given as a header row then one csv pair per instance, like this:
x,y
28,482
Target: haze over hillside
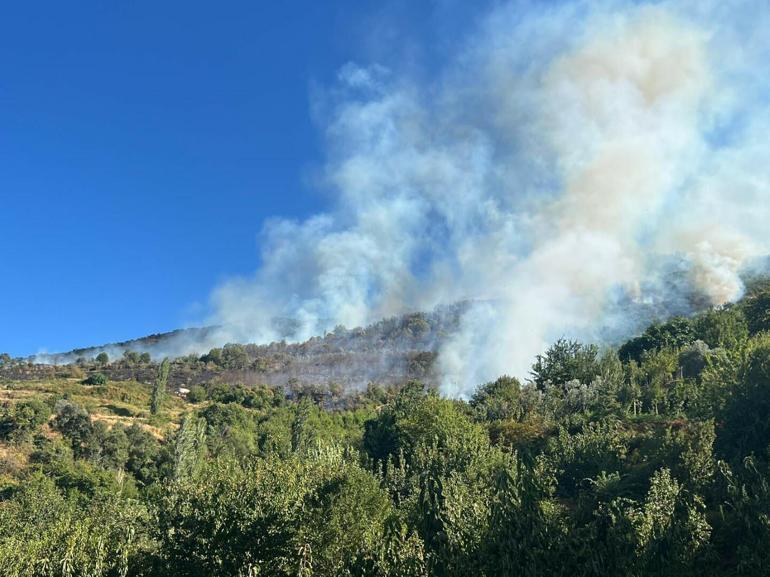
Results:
x,y
390,351
555,169
562,164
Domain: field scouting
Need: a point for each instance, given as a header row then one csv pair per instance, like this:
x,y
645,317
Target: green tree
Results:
x,y
756,308
420,417
44,533
655,376
693,359
234,357
746,428
131,358
230,429
214,356
724,327
526,528
74,423
599,448
299,425
272,516
743,532
159,387
498,400
566,361
146,459
115,447
189,447
19,421
673,334
671,528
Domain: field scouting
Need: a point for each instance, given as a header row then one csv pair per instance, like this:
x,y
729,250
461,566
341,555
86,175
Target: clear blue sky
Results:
x,y
142,144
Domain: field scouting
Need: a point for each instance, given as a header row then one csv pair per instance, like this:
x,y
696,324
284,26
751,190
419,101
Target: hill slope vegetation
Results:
x,y
652,459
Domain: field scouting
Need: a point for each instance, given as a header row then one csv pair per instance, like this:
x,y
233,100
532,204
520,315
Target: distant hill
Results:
x,y
150,343
390,351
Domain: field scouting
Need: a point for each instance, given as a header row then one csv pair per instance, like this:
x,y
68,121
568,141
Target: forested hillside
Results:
x,y
388,352
649,459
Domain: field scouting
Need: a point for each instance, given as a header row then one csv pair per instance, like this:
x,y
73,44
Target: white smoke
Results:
x,y
566,153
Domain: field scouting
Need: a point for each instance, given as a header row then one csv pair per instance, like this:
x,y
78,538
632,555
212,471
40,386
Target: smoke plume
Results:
x,y
575,168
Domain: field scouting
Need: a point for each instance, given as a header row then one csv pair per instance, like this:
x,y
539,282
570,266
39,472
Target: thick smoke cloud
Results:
x,y
573,166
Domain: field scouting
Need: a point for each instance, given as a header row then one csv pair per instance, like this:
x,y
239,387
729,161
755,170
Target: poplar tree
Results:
x,y
159,388
189,447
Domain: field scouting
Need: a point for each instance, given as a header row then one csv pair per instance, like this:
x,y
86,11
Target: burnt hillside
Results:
x,y
388,352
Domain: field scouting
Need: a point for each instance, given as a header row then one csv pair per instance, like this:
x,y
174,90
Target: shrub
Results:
x,y
197,394
95,379
19,421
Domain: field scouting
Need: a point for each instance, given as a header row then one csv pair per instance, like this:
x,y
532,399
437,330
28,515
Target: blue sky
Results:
x,y
142,145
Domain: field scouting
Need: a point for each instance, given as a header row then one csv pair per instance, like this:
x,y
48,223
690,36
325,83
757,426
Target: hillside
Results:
x,y
388,352
649,459
172,340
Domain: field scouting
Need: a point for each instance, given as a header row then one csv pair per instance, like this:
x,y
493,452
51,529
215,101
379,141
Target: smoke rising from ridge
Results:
x,y
572,162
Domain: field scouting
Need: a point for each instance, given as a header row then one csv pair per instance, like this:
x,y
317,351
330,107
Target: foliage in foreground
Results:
x,y
650,460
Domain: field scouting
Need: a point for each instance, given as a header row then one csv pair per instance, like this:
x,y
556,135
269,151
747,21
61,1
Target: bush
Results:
x,y
44,533
95,379
197,394
70,372
19,421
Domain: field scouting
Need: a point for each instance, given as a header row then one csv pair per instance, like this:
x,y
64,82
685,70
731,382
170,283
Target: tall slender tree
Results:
x,y
159,388
189,447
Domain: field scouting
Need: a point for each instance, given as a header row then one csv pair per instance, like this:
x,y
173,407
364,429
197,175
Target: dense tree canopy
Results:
x,y
652,459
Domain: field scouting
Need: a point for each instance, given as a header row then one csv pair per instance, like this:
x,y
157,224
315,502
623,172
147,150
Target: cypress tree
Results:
x,y
159,388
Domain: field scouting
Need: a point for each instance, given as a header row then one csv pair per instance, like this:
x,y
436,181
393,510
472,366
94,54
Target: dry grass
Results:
x,y
125,402
13,460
